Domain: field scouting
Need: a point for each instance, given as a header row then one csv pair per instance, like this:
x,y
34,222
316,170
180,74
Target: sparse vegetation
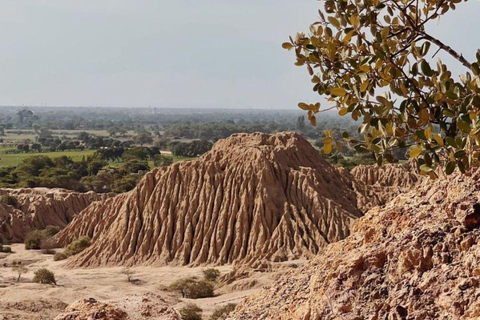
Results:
x,y
50,231
128,273
33,240
222,312
60,256
47,246
211,274
192,288
77,246
19,270
44,276
191,312
6,249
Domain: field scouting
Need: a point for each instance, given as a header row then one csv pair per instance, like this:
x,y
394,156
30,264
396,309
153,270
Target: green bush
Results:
x,y
221,313
77,246
59,256
44,276
211,274
181,285
192,288
6,249
33,240
191,312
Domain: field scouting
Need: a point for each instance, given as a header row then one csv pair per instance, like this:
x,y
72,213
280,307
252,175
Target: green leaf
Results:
x,y
303,106
464,126
334,22
426,68
364,86
287,45
375,148
339,92
451,142
385,32
450,168
460,154
327,148
425,48
426,168
449,113
384,101
451,95
415,151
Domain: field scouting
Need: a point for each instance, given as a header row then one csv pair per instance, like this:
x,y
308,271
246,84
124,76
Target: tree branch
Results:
x,y
448,49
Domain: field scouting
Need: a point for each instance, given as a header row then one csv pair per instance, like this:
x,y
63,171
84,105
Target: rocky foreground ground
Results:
x,y
415,258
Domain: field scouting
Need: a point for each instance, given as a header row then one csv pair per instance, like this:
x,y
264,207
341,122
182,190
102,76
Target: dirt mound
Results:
x,y
416,258
400,175
376,185
22,210
136,307
92,309
40,308
252,197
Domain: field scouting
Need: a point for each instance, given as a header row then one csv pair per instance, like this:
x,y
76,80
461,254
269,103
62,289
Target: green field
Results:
x,y
19,136
11,160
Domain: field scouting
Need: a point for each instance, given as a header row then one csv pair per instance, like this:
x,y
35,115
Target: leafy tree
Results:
x,y
191,149
371,60
143,138
139,153
126,183
192,288
36,147
32,166
135,166
301,123
160,160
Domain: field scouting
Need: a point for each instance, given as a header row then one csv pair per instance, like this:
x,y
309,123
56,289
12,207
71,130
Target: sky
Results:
x,y
170,53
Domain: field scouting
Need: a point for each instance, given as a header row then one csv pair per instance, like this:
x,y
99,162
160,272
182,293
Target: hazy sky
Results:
x,y
168,53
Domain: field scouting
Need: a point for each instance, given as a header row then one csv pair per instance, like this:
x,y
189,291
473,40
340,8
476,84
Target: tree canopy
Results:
x,y
372,59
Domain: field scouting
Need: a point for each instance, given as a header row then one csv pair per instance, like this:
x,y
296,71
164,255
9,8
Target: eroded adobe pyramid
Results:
x,y
253,196
37,208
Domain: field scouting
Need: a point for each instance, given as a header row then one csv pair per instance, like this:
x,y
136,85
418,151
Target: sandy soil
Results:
x,y
28,300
